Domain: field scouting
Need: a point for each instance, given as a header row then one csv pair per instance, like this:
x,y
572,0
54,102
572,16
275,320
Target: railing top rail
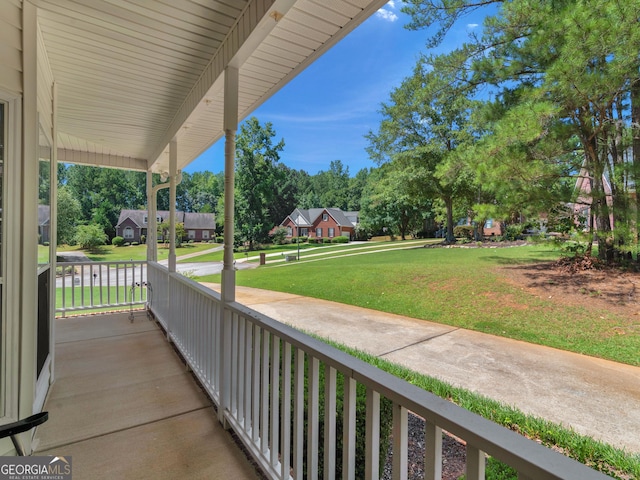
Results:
x,y
529,458
207,292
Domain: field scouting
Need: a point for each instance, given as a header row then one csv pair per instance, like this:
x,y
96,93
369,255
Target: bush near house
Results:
x,y
463,231
340,239
89,237
117,241
279,235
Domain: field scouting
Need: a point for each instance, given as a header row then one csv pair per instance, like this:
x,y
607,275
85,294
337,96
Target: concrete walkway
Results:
x,y
595,397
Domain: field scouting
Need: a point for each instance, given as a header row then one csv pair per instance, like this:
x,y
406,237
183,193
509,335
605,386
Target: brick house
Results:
x,y
199,227
321,223
582,211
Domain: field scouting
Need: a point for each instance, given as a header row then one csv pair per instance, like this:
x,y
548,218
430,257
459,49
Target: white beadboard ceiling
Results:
x,y
132,74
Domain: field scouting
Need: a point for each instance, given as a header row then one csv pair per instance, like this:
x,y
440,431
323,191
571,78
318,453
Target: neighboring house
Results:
x,y
198,227
44,223
582,207
492,228
321,223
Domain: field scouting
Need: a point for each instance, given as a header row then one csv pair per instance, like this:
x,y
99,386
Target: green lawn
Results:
x,y
306,250
459,287
252,255
109,253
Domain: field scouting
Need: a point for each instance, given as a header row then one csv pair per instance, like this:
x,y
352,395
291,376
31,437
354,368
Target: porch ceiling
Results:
x,y
133,74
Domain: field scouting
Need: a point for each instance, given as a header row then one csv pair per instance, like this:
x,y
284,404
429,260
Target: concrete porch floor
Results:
x,y
124,406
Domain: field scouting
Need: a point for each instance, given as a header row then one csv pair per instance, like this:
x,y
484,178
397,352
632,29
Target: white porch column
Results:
x,y
152,243
173,171
228,286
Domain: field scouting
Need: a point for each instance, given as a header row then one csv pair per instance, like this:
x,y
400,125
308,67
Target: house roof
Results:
x,y
132,75
199,221
44,215
191,220
306,218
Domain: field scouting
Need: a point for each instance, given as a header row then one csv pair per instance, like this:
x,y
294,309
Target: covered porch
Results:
x,y
148,86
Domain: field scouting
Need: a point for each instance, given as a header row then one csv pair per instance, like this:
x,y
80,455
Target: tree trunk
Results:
x,y
448,201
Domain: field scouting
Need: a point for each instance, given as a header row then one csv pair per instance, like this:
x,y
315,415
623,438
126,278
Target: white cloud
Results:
x,y
472,25
387,15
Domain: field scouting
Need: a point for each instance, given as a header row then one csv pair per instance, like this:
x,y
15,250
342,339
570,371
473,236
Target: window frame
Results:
x,y
331,232
319,232
9,305
126,229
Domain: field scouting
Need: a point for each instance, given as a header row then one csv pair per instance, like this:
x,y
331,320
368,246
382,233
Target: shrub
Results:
x,y
135,243
89,237
220,239
126,244
386,420
143,239
46,244
463,231
117,241
64,270
340,239
279,235
313,241
514,232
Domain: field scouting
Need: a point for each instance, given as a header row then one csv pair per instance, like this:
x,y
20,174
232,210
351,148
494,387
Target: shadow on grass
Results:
x,y
498,260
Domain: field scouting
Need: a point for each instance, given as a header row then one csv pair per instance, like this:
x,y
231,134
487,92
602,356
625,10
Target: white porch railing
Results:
x,y
253,368
99,285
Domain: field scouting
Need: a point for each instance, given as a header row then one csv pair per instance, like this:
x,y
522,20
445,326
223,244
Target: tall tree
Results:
x,y
577,57
332,186
69,215
103,192
389,205
424,125
256,178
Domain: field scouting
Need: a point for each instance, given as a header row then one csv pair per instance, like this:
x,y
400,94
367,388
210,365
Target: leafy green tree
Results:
x,y
568,71
356,188
256,178
388,204
69,215
332,186
425,126
89,237
103,192
164,230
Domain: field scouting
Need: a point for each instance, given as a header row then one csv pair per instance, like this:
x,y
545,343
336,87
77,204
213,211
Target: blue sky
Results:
x,y
324,113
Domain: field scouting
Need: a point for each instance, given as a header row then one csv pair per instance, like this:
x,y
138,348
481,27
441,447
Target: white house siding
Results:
x,y
45,84
11,46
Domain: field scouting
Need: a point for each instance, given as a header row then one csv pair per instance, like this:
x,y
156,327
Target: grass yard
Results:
x,y
86,296
110,253
459,287
305,248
